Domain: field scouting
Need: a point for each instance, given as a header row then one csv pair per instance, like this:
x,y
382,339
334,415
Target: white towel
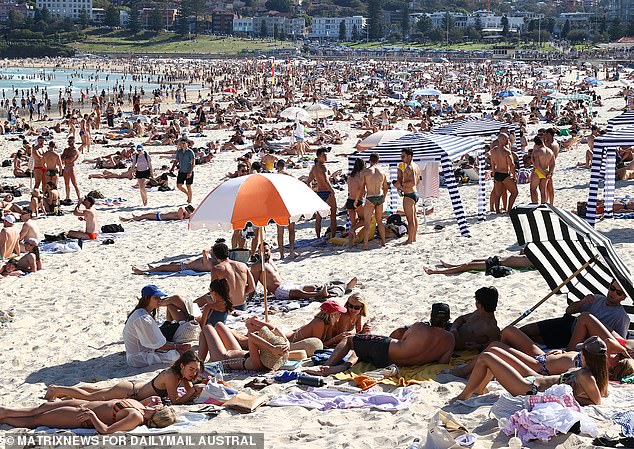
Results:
x,y
428,187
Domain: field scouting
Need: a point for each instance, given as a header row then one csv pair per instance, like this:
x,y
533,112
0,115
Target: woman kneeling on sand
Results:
x,y
164,385
589,382
116,415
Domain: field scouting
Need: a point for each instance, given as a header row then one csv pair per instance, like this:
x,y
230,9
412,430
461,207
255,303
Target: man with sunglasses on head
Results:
x,y
556,332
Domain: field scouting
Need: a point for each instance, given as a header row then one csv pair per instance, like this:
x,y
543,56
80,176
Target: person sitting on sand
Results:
x,y
9,237
352,321
321,326
217,304
89,216
10,268
417,344
106,417
514,261
165,384
589,382
142,336
30,262
290,290
29,229
477,329
180,214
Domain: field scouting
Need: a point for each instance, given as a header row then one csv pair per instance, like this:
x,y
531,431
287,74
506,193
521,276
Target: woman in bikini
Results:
x,y
589,382
180,214
321,326
352,321
106,417
164,385
30,262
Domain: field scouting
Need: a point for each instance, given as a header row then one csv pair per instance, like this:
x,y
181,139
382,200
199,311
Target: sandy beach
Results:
x,y
69,316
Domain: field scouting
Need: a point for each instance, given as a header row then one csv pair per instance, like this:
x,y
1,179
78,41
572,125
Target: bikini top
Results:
x,y
159,392
569,378
577,361
120,405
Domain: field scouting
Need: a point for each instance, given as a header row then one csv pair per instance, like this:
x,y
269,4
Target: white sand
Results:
x,y
69,317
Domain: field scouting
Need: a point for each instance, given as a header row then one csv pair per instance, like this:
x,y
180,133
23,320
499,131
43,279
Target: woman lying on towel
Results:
x,y
589,382
516,345
165,385
106,417
514,261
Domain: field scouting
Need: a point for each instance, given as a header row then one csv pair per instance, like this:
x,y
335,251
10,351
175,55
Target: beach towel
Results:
x,y
184,423
110,202
67,246
326,399
409,375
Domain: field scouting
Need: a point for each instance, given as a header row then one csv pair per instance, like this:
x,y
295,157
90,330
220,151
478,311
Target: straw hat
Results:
x,y
270,360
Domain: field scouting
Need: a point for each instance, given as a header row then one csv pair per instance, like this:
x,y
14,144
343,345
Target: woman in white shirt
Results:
x,y
145,344
143,166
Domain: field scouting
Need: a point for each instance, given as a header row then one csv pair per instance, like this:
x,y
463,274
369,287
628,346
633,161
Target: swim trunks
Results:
x,y
412,196
499,176
284,290
183,179
377,200
324,194
158,216
144,174
350,204
539,173
372,348
42,169
53,172
92,235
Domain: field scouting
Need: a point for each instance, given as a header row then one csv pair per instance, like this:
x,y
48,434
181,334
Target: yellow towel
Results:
x,y
410,374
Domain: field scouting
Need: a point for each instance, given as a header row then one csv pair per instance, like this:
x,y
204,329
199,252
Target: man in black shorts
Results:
x,y
417,344
186,160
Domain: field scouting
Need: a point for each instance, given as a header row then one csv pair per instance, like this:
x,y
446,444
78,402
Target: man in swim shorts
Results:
x,y
38,163
89,216
417,344
543,166
52,163
503,167
374,186
320,174
408,176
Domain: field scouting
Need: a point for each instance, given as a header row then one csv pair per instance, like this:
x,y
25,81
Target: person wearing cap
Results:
x,y
142,164
589,382
477,329
37,154
186,160
145,343
9,237
89,216
321,326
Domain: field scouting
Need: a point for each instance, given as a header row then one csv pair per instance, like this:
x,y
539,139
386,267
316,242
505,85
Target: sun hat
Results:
x,y
331,306
9,218
594,345
270,360
152,290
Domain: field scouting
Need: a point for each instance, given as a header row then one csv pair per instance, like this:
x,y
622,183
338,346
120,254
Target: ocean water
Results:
x,y
52,80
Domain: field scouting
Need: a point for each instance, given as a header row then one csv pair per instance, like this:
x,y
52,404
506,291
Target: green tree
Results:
x,y
264,32
155,21
375,13
134,18
181,27
424,25
478,25
505,26
616,30
405,20
278,5
84,20
342,31
45,15
197,9
630,28
355,33
447,22
276,33
578,35
15,20
111,17
565,30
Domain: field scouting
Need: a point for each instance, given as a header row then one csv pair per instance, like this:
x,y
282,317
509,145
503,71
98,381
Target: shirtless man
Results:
x,y
38,164
514,261
407,180
590,151
543,167
236,274
325,191
503,168
372,183
89,216
290,290
52,164
180,214
203,264
417,344
69,157
9,238
550,142
29,229
477,329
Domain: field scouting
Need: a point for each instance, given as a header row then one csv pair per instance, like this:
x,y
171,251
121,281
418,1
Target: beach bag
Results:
x,y
500,271
168,329
188,331
112,228
443,430
215,393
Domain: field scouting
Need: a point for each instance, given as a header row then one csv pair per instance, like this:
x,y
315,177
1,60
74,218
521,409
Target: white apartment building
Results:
x,y
328,27
488,21
292,28
66,8
243,25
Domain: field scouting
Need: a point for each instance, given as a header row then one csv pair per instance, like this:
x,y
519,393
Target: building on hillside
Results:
x,y
66,8
243,26
222,22
504,52
168,15
98,16
12,5
623,9
328,27
487,21
266,26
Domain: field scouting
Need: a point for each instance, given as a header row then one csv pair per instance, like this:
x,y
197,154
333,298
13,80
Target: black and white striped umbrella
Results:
x,y
474,127
625,119
559,243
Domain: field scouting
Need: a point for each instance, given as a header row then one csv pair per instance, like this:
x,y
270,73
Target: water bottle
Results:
x,y
416,444
312,381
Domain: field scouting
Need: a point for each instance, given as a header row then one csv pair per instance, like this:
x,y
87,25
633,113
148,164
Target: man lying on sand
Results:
x,y
514,261
180,214
417,344
202,264
290,290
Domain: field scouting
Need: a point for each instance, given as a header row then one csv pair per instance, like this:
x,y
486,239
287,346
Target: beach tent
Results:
x,y
432,147
479,127
587,99
625,119
604,168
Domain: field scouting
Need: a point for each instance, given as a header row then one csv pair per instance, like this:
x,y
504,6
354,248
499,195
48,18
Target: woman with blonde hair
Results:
x,y
321,326
351,322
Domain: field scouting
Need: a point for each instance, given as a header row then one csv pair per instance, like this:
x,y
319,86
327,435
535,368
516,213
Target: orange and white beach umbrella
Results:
x,y
257,198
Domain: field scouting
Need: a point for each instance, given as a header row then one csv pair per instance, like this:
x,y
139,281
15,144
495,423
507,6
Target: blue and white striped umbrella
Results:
x,y
625,119
508,93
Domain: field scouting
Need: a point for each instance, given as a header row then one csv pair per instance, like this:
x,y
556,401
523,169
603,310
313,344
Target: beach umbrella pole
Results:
x,y
266,304
555,291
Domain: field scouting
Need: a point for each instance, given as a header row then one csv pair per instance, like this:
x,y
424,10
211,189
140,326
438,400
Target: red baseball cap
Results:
x,y
331,306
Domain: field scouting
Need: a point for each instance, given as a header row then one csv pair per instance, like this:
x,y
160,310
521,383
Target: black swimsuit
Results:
x,y
159,392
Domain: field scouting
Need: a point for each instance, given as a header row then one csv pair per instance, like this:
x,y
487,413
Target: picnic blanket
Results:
x,y
409,375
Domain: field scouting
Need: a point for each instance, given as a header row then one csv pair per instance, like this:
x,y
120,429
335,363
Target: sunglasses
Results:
x,y
350,306
617,291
